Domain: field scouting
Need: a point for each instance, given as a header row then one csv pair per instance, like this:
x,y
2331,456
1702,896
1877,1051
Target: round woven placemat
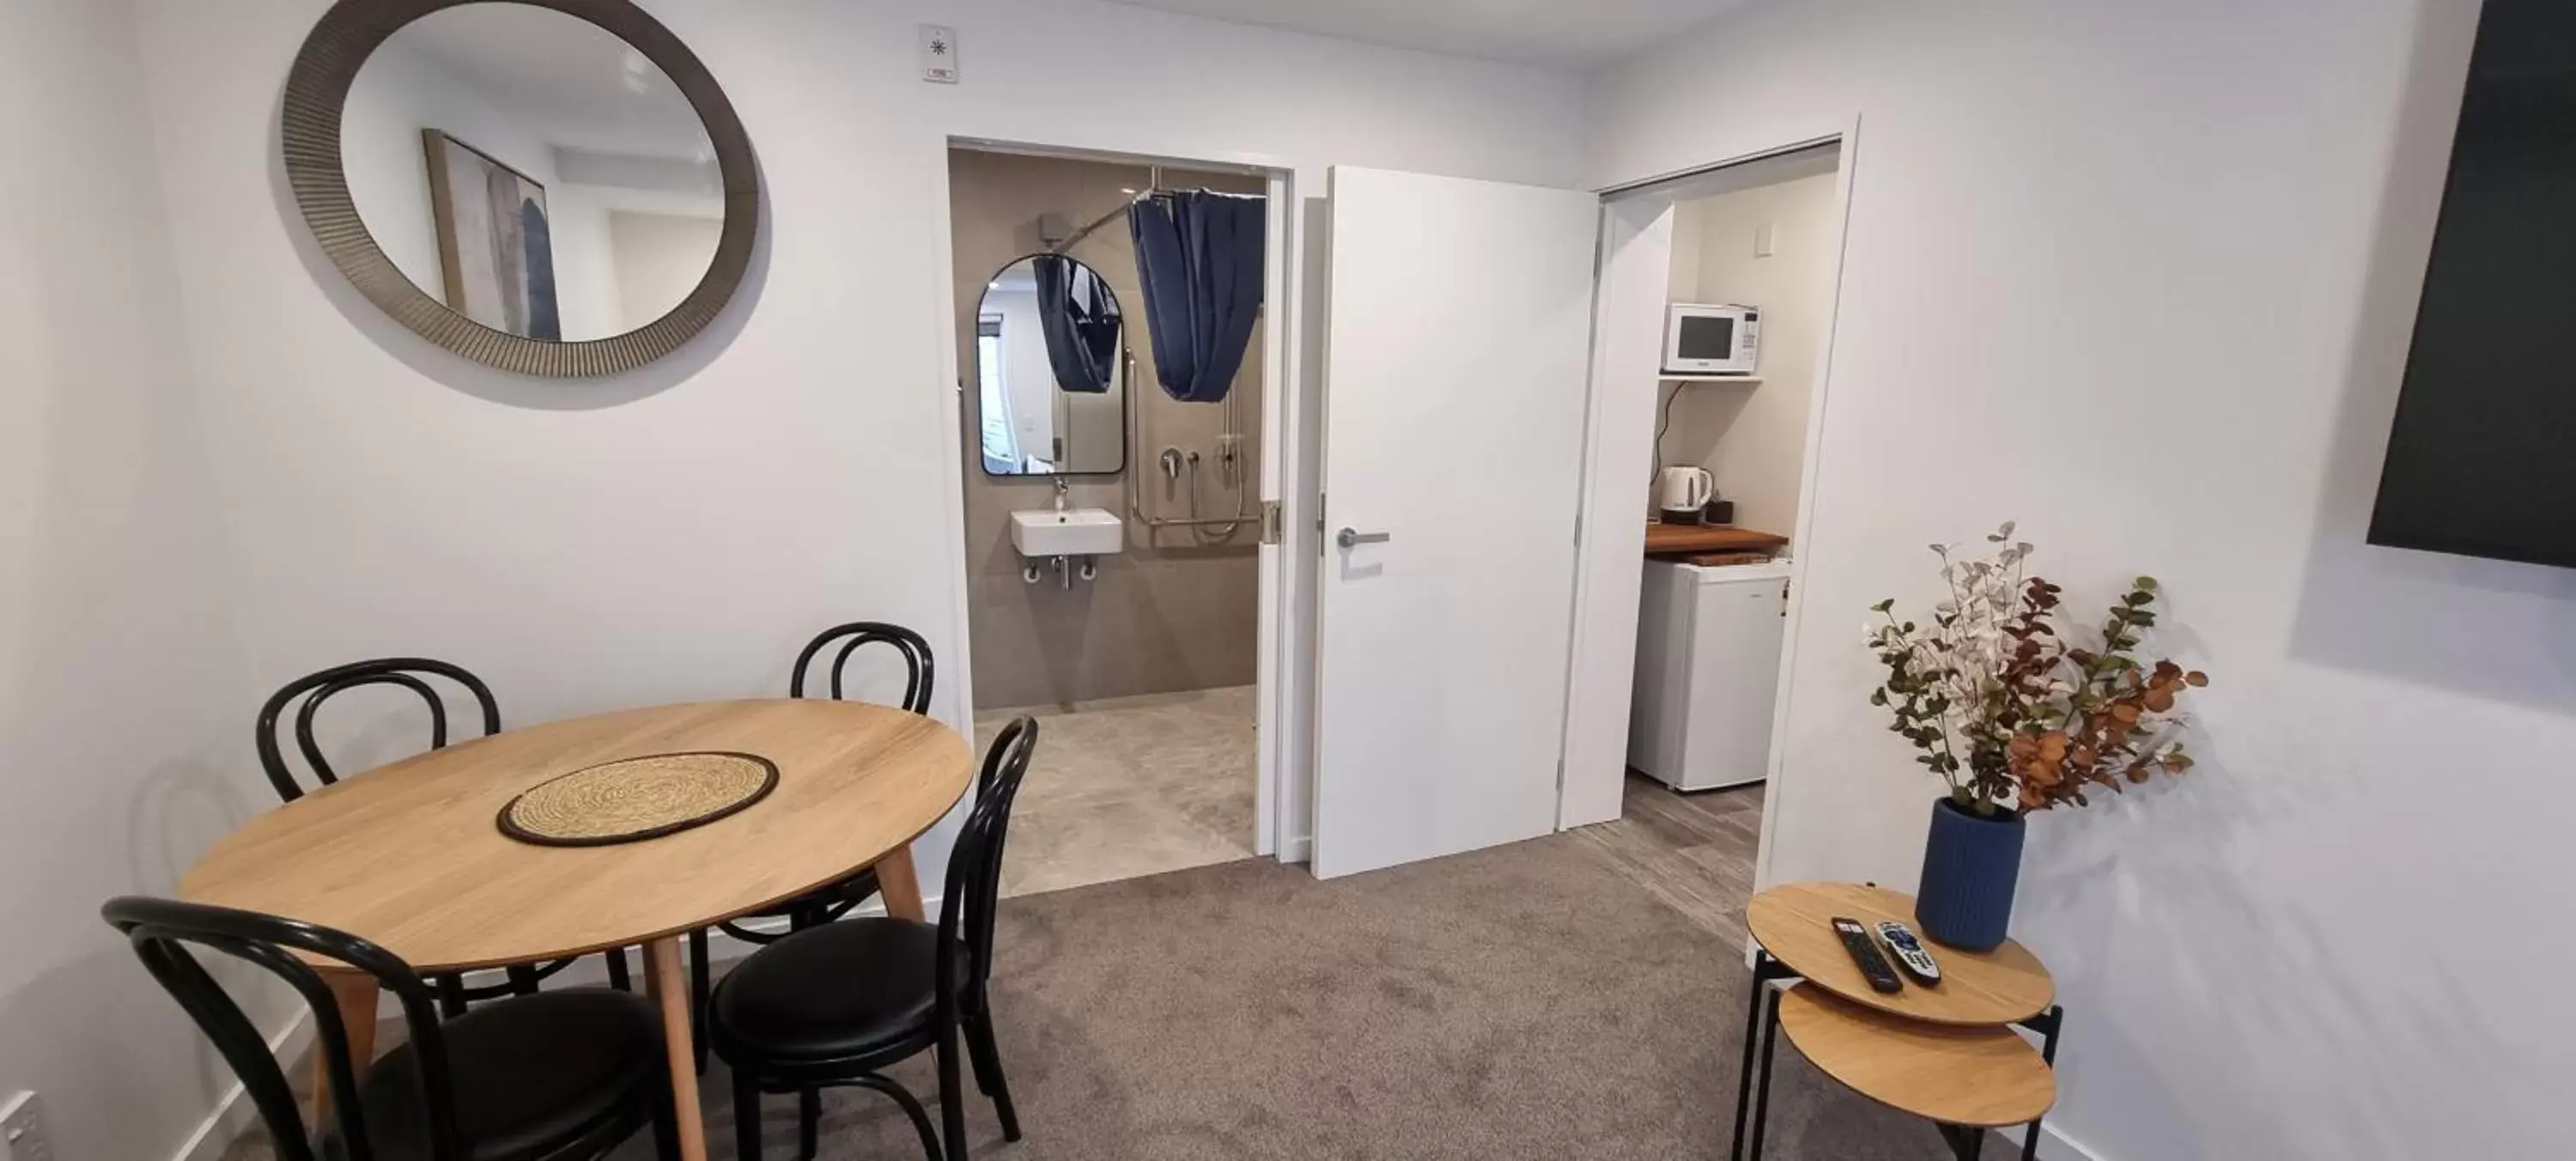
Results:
x,y
637,798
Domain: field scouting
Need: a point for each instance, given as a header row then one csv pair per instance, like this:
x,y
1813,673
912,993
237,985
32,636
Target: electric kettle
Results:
x,y
1681,491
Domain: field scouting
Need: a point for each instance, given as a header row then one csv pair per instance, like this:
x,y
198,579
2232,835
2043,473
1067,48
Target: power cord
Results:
x,y
1661,426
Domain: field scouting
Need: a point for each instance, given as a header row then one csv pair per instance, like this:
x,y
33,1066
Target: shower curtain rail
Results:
x,y
1153,189
1105,219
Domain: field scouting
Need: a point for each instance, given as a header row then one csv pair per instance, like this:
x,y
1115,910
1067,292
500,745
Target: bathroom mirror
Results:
x,y
554,187
1051,370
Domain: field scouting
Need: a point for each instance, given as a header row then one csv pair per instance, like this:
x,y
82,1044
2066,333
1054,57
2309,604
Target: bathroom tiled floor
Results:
x,y
1130,786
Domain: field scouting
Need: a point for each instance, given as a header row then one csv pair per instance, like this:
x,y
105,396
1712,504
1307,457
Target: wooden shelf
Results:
x,y
1680,377
1665,539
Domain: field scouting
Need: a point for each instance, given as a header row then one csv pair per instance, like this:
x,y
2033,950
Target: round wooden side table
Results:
x,y
1946,1053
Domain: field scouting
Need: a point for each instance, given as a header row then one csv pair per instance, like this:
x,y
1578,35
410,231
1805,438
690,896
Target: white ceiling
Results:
x,y
1564,34
564,79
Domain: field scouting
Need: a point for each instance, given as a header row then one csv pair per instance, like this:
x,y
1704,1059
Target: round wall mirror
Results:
x,y
1050,370
553,187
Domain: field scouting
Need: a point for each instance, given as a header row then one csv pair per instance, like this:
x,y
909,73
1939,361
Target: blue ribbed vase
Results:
x,y
1970,865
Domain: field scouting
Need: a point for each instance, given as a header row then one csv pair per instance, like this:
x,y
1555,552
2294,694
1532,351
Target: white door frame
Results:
x,y
1285,617
1610,560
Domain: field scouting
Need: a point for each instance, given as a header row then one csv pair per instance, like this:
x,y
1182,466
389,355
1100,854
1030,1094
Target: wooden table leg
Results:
x,y
669,984
354,994
899,886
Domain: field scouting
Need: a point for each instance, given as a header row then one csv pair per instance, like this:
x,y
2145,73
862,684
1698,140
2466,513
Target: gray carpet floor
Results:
x,y
1526,1002
1522,1002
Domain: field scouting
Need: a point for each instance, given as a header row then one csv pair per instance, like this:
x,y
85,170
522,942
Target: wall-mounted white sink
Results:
x,y
1072,532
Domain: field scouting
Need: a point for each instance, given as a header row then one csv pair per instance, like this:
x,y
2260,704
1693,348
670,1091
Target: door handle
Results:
x,y
1352,536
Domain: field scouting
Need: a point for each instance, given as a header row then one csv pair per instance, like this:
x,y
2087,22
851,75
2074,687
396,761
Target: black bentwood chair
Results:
x,y
824,904
562,1076
306,694
830,903
836,1005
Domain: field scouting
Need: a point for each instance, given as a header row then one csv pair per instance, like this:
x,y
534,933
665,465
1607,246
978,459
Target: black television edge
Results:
x,y
2482,455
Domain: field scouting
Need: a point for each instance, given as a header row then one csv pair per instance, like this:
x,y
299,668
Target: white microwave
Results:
x,y
1712,338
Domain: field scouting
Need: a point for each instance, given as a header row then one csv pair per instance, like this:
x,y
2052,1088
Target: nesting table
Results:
x,y
1946,1053
410,855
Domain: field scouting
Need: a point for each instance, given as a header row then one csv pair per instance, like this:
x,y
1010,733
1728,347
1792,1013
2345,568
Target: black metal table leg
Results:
x,y
1762,1021
1762,1088
1765,970
1966,1141
2046,1024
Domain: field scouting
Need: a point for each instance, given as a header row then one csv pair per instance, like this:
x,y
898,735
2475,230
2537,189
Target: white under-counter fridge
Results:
x,y
1708,671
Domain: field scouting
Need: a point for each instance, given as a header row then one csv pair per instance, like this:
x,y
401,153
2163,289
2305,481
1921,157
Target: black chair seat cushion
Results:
x,y
532,1074
854,988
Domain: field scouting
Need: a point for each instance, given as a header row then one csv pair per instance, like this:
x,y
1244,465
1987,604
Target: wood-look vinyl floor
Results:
x,y
1692,851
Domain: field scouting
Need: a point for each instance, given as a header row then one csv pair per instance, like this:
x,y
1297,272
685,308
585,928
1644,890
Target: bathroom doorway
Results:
x,y
1134,636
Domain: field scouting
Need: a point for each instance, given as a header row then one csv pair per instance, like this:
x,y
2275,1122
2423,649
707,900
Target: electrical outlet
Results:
x,y
22,1132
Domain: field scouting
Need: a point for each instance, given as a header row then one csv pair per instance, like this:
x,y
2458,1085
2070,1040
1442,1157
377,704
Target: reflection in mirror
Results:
x,y
1050,368
532,171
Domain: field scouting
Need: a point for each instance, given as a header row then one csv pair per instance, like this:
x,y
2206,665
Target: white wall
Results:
x,y
1682,279
124,707
678,532
1094,422
1754,438
1027,377
402,91
658,260
590,290
2048,200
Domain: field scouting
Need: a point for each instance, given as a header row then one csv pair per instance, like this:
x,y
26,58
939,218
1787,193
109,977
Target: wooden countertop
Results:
x,y
1668,539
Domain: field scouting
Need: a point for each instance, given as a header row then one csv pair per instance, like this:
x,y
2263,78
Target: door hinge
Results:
x,y
1270,525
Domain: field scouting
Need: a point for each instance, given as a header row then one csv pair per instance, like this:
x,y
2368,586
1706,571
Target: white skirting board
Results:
x,y
234,1113
2055,1145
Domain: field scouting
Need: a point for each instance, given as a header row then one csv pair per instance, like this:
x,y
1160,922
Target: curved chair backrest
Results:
x,y
163,930
316,688
975,864
915,651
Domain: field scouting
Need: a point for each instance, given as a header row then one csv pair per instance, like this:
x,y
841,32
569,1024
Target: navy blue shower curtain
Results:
x,y
1199,255
1079,317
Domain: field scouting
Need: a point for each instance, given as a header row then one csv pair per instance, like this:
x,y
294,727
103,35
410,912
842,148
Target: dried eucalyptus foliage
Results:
x,y
2006,710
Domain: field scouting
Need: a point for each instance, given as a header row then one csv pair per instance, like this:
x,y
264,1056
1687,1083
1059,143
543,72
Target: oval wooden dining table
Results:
x,y
410,855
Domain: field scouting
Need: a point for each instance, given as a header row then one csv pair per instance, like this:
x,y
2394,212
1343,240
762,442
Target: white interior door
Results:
x,y
1457,342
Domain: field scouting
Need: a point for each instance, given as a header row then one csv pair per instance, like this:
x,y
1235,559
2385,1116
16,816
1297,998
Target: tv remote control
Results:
x,y
1908,952
1864,951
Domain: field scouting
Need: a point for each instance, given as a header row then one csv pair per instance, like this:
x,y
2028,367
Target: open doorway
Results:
x,y
1137,650
1721,287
